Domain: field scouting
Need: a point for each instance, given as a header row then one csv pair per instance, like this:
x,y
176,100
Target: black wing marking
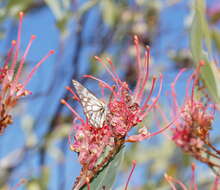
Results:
x,y
94,109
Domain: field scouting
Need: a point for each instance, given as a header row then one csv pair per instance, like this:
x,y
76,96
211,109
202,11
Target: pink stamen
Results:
x,y
157,97
87,183
194,76
13,43
21,14
193,183
21,182
147,58
73,93
163,129
173,92
169,180
102,90
22,63
138,60
216,182
113,70
146,65
132,170
36,67
189,81
164,118
107,69
145,105
178,182
104,84
160,89
178,75
72,110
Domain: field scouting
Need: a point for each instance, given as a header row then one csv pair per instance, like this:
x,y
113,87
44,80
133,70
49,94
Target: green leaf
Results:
x,y
211,76
109,12
55,7
107,176
196,39
61,11
200,31
33,185
14,7
216,38
44,179
200,8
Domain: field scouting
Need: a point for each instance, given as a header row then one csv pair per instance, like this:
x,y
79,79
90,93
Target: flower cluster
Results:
x,y
191,131
124,110
90,143
11,89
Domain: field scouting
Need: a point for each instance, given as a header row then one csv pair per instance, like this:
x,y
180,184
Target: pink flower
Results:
x,y
191,131
124,110
11,89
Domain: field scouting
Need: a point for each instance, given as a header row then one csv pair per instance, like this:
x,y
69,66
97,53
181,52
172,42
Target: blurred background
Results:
x,y
35,147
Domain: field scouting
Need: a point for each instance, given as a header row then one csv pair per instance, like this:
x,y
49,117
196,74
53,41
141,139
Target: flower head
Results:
x,y
191,131
11,89
124,110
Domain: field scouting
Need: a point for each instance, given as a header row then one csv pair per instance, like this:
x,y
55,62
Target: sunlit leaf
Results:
x,y
33,185
216,38
107,176
109,12
14,7
56,8
61,12
196,38
200,12
211,76
199,32
45,177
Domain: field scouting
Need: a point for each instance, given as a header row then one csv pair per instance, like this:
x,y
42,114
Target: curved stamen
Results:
x,y
71,109
132,170
18,74
36,67
107,69
21,14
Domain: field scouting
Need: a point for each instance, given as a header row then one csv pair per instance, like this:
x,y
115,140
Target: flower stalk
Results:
x,y
124,111
11,88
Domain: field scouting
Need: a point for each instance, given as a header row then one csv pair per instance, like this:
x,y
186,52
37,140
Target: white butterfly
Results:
x,y
94,109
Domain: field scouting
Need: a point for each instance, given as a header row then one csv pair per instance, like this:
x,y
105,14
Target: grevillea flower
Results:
x,y
191,131
192,186
11,89
125,109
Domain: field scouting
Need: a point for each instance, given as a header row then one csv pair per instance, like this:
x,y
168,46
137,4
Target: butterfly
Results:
x,y
94,108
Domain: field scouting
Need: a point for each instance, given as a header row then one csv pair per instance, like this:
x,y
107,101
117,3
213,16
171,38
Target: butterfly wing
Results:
x,y
94,109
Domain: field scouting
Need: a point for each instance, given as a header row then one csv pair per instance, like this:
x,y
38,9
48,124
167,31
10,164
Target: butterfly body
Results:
x,y
94,108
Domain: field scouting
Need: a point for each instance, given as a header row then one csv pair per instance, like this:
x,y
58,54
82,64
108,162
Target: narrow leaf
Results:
x,y
107,176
